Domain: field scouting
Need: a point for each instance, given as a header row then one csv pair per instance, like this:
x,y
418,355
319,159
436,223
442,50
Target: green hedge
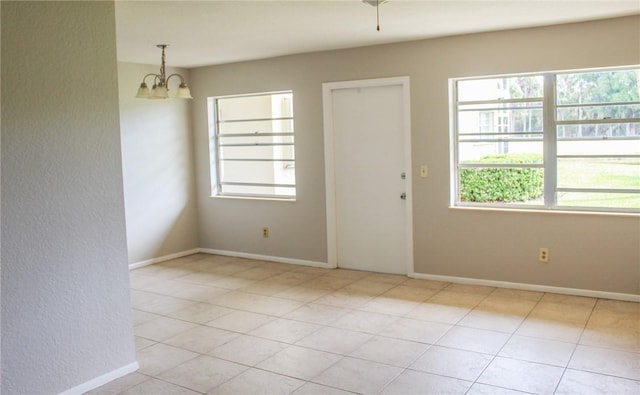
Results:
x,y
502,184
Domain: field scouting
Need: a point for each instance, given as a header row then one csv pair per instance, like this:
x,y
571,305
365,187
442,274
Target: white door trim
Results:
x,y
329,166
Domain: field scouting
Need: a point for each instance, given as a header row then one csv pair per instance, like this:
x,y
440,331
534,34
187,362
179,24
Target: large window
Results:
x,y
252,146
565,140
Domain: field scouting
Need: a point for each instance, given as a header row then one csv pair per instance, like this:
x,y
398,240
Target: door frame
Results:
x,y
329,164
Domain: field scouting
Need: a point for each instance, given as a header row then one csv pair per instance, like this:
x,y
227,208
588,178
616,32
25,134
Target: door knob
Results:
x,y
403,196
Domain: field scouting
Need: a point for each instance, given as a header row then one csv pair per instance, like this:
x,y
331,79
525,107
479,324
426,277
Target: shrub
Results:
x,y
502,184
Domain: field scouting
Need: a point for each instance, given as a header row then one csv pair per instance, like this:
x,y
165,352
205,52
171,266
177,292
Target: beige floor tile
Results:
x,y
162,328
471,339
396,352
235,267
200,293
291,278
620,338
162,304
618,306
552,330
522,376
337,341
139,280
606,361
141,342
160,357
411,382
140,317
364,321
328,282
200,313
317,389
166,287
485,389
240,321
348,300
256,303
394,279
585,383
317,313
517,294
459,364
258,273
430,284
347,273
201,339
286,331
415,330
470,289
569,300
409,293
201,278
231,282
118,386
303,293
258,382
247,350
368,287
438,312
154,386
266,288
492,321
288,362
545,351
357,375
391,306
202,373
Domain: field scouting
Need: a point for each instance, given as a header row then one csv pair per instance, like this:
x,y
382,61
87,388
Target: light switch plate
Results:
x,y
424,171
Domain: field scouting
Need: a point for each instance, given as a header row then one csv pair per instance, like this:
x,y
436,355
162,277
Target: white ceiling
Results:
x,y
216,32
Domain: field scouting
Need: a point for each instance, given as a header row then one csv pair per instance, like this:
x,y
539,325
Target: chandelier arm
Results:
x,y
174,75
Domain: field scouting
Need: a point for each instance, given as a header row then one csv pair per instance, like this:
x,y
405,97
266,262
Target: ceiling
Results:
x,y
215,32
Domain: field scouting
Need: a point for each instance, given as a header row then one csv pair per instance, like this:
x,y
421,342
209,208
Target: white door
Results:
x,y
368,163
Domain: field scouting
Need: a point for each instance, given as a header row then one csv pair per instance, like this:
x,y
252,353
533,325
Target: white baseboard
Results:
x,y
102,380
292,261
529,287
163,258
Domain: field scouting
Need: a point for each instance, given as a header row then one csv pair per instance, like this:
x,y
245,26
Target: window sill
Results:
x,y
260,198
545,211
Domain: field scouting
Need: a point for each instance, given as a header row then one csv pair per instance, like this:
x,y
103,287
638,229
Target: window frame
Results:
x,y
549,140
217,179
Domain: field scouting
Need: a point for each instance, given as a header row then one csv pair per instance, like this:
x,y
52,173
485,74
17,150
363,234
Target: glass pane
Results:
x,y
501,137
631,129
242,190
599,173
599,199
259,152
257,140
500,121
255,107
599,147
254,127
501,152
599,112
258,172
615,86
502,185
500,88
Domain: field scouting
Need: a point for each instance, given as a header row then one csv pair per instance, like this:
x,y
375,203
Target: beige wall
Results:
x,y
595,252
157,168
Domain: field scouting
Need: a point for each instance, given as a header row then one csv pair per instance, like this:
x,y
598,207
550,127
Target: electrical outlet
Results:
x,y
543,254
265,232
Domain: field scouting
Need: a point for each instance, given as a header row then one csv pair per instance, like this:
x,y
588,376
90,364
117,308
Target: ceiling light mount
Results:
x,y
160,88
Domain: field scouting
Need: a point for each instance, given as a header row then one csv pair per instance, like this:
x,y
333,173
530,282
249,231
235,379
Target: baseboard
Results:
x,y
291,261
163,258
102,380
529,287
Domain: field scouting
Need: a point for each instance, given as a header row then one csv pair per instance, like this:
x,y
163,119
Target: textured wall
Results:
x,y
65,296
587,251
157,166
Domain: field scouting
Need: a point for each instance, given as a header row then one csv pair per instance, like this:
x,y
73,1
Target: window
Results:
x,y
252,145
565,140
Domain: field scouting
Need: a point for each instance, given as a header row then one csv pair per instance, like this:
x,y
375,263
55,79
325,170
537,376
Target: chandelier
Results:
x,y
160,89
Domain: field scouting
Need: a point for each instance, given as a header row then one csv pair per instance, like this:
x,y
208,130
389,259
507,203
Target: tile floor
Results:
x,y
208,324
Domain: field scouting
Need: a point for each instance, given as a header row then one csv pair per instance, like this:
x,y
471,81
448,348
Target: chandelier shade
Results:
x,y
160,89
